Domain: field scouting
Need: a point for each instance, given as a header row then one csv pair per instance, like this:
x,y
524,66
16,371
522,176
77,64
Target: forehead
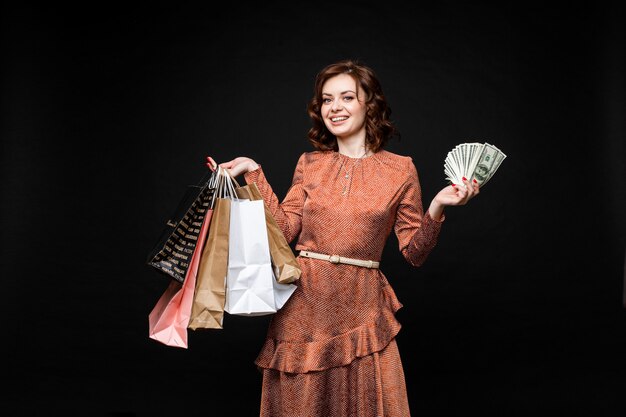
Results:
x,y
338,84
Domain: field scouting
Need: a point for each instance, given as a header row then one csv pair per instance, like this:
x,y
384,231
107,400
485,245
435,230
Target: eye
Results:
x,y
326,100
348,98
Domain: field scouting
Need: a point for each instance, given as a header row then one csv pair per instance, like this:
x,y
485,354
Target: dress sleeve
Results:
x,y
288,214
417,232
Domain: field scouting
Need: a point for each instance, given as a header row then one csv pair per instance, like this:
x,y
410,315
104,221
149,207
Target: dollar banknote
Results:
x,y
474,161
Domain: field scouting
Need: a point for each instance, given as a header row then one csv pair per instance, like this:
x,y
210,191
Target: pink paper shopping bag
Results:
x,y
169,318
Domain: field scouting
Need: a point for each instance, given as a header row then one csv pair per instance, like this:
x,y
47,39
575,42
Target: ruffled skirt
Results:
x,y
331,351
371,386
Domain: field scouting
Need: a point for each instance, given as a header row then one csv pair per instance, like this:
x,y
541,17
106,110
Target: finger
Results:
x,y
211,163
471,187
470,191
461,192
458,187
476,188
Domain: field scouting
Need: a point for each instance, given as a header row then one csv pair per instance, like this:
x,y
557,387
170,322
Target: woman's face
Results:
x,y
342,111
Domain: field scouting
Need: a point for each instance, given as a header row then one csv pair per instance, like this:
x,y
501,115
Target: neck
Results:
x,y
354,148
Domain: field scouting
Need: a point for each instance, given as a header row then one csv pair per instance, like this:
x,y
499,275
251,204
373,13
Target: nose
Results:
x,y
336,106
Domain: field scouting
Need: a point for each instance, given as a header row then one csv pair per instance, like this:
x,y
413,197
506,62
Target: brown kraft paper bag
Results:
x,y
286,267
207,311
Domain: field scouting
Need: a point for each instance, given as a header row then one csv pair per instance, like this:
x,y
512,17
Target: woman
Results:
x,y
331,350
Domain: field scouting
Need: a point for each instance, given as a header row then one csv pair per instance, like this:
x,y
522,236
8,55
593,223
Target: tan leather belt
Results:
x,y
336,259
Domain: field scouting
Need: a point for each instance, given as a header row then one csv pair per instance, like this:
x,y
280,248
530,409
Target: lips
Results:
x,y
338,119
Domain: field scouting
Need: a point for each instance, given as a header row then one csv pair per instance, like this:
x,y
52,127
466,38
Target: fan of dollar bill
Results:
x,y
474,161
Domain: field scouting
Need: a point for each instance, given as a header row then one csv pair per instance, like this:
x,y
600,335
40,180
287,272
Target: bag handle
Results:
x,y
224,185
230,188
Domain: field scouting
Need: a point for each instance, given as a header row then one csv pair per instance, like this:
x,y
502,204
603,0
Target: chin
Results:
x,y
338,132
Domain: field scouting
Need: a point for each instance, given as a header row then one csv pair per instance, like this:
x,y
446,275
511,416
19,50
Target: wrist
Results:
x,y
435,210
252,166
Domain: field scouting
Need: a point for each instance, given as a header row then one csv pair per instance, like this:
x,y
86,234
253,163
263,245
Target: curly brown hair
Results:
x,y
378,126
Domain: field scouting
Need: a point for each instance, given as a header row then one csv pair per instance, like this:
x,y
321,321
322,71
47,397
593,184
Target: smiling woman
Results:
x,y
331,350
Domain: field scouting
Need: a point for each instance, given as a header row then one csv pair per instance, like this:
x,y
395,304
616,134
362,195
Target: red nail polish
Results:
x,y
476,182
464,179
454,185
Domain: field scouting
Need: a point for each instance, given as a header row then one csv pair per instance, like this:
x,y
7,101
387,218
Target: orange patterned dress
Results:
x,y
331,350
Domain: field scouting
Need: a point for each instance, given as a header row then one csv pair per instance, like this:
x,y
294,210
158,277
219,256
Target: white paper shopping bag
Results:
x,y
251,287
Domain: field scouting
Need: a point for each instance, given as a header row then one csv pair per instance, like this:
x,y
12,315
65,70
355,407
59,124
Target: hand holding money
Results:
x,y
453,195
475,161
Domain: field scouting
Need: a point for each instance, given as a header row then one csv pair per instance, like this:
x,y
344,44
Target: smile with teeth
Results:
x,y
339,118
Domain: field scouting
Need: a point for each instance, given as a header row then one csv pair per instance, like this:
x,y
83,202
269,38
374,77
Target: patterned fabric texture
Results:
x,y
331,350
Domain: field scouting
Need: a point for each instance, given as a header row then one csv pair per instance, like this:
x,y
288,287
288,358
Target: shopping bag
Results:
x,y
172,253
251,286
163,318
168,320
284,262
207,310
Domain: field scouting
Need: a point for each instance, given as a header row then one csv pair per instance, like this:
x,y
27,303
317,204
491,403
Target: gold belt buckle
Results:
x,y
334,259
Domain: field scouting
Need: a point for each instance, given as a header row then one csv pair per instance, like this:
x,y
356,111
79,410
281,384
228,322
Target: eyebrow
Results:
x,y
343,92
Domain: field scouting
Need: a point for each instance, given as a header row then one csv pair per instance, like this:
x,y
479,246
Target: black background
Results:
x,y
108,113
